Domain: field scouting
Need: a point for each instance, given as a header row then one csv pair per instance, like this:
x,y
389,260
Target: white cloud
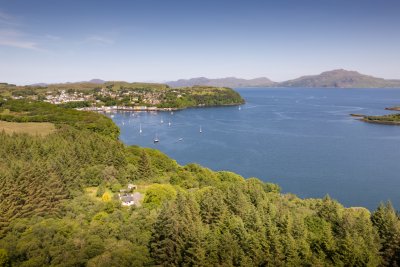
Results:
x,y
99,39
12,33
17,39
19,44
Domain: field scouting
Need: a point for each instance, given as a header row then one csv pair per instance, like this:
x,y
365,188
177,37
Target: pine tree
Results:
x,y
212,206
144,168
166,243
177,234
388,225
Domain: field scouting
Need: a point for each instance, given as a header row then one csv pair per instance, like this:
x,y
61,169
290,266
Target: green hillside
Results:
x,y
33,111
115,93
60,207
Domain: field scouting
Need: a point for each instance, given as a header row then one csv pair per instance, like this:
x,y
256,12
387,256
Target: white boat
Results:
x,y
162,121
240,108
140,128
169,123
201,130
180,139
156,140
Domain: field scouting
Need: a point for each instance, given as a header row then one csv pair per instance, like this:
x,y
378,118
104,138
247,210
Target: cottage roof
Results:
x,y
127,198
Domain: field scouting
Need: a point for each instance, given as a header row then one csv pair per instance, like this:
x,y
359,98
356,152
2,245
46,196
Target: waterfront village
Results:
x,y
124,96
130,100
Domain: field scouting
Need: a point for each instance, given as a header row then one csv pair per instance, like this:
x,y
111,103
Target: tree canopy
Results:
x,y
59,207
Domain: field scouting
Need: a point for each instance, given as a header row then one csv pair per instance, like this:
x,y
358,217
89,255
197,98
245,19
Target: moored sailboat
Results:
x,y
156,140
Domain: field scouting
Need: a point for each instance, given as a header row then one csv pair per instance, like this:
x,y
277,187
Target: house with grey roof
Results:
x,y
127,199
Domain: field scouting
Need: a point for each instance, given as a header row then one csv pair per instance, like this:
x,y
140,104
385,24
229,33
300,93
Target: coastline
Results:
x,y
124,108
393,108
145,108
381,122
368,119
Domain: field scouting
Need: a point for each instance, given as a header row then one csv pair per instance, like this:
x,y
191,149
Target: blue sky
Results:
x,y
159,40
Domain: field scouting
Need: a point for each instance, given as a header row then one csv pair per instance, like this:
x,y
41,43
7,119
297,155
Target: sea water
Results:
x,y
302,139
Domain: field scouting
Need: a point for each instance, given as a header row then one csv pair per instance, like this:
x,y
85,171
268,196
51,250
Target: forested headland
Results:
x,y
59,207
390,119
86,94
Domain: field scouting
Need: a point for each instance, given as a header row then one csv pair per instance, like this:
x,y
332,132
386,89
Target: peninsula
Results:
x,y
389,119
99,95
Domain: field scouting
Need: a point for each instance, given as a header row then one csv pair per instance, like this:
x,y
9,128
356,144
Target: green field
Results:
x,y
34,128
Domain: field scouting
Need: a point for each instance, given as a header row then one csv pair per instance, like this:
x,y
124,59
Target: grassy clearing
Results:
x,y
92,191
33,128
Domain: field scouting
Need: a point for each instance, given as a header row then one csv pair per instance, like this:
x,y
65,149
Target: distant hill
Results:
x,y
96,81
6,85
334,79
39,84
223,82
340,79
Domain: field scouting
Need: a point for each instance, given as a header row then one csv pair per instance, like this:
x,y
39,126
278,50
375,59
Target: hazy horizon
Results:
x,y
158,41
166,81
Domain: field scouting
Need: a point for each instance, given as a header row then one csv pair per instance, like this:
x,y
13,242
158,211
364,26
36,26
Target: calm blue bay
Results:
x,y
302,139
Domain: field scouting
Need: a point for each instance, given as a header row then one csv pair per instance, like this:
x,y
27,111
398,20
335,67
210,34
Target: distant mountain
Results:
x,y
223,82
96,81
340,79
39,84
330,79
335,79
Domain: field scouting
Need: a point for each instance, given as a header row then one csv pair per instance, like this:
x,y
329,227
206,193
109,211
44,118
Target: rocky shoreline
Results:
x,y
393,108
381,122
378,119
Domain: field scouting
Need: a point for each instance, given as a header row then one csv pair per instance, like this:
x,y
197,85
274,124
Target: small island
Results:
x,y
397,108
390,119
